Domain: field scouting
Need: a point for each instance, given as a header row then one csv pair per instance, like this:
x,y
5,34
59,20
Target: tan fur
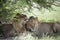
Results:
x,y
20,23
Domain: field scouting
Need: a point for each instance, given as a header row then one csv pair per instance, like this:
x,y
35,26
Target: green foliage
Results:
x,y
9,8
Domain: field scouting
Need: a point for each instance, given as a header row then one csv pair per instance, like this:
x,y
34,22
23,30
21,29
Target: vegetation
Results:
x,y
9,8
29,37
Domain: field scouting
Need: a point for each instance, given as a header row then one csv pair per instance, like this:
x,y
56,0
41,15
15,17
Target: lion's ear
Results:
x,y
31,17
